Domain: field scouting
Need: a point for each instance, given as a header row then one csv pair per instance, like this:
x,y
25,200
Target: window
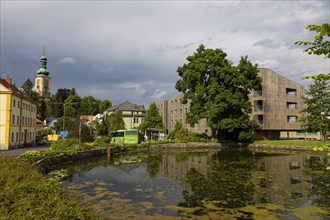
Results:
x,y
14,103
136,120
260,119
18,104
17,120
291,105
17,136
23,106
258,92
13,120
12,137
258,105
292,119
291,92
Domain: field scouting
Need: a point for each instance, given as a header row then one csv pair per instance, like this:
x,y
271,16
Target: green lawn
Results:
x,y
302,143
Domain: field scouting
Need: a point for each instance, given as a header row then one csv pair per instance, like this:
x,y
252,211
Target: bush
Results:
x,y
26,194
42,133
102,142
65,145
184,135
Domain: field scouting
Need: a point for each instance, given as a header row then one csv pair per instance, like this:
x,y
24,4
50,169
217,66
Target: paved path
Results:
x,y
18,151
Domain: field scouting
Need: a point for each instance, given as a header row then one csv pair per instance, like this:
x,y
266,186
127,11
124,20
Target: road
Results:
x,y
18,151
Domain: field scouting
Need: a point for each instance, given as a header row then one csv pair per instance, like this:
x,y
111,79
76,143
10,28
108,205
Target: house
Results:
x,y
132,114
86,119
18,116
50,122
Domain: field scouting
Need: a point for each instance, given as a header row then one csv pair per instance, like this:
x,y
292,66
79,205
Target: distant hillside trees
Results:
x,y
75,105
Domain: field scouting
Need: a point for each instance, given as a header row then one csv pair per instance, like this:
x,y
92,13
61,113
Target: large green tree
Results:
x,y
72,106
89,106
317,97
317,106
152,119
104,105
115,122
219,91
55,106
42,107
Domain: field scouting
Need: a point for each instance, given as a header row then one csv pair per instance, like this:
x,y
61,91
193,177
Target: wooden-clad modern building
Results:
x,y
277,109
172,110
277,106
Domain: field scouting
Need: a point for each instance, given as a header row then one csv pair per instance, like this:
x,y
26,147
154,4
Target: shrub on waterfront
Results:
x,y
66,145
102,142
26,194
43,133
182,134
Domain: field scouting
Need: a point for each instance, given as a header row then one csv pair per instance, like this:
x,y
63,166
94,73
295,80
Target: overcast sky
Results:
x,y
130,50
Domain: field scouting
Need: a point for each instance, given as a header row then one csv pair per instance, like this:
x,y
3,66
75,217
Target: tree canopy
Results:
x,y
27,88
321,44
317,97
317,107
219,91
152,119
115,122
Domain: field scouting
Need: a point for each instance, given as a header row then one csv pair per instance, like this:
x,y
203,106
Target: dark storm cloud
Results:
x,y
131,50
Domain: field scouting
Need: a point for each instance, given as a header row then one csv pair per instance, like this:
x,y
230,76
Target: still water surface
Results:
x,y
204,184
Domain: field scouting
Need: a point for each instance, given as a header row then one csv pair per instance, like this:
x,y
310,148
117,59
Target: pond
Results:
x,y
204,184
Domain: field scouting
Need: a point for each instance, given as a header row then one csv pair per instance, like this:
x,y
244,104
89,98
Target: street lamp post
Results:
x,y
324,131
63,115
321,127
60,103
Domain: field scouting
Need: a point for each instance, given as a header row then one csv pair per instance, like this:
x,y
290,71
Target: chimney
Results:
x,y
9,80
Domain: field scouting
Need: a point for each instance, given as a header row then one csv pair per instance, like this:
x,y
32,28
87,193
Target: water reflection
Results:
x,y
226,180
216,184
319,179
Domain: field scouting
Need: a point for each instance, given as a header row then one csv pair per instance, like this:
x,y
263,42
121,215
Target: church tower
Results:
x,y
42,80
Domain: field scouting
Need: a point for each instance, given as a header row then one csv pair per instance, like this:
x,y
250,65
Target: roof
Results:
x,y
15,90
126,106
50,120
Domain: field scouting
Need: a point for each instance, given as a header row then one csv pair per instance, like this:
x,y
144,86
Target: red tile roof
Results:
x,y
15,90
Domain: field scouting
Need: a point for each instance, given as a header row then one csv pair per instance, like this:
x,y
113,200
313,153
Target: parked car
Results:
x,y
41,142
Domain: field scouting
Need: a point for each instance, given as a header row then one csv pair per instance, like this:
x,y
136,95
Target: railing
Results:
x,y
258,108
258,93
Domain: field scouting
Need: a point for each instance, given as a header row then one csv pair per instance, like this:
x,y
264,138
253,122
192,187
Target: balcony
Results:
x,y
258,93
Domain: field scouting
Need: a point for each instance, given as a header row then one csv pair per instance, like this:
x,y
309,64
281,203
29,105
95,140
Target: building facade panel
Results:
x,y
277,107
173,110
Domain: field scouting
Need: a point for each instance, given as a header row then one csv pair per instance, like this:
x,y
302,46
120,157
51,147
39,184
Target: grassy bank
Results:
x,y
301,143
27,194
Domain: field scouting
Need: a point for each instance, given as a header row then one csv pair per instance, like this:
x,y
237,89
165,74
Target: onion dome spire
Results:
x,y
43,65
